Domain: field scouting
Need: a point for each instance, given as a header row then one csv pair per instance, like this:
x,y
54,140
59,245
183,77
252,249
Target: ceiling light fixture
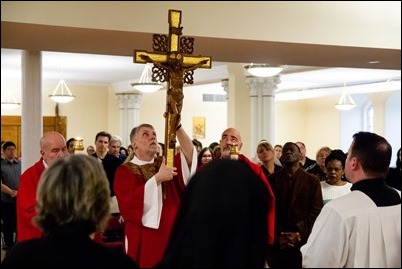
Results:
x,y
345,102
264,70
145,84
8,101
62,93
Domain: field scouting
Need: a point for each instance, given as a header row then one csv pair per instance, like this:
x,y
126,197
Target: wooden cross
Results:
x,y
172,63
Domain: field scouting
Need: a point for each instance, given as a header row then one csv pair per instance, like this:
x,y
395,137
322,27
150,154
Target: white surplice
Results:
x,y
351,231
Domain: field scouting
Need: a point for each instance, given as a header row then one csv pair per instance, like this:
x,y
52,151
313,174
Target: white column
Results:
x,y
31,113
379,100
129,109
238,105
262,98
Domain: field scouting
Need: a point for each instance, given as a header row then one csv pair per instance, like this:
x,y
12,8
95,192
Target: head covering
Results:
x,y
222,221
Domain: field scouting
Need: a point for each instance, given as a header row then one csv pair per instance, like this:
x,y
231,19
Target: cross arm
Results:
x,y
197,62
141,56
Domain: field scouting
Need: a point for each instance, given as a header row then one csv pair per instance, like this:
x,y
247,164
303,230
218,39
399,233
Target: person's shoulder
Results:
x,y
277,167
255,167
114,258
30,243
111,162
311,168
354,205
112,158
277,173
351,203
310,161
37,168
309,176
245,159
25,249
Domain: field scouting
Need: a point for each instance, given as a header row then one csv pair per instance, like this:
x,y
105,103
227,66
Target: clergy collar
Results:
x,y
137,161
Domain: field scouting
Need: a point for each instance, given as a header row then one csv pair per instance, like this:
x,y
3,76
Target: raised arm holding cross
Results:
x,y
149,191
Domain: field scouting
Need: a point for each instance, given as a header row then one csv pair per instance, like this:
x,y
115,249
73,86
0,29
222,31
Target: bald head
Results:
x,y
52,147
229,137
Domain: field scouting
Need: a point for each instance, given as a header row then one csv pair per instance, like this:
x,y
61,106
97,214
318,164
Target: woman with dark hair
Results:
x,y
334,186
123,152
216,152
204,157
71,145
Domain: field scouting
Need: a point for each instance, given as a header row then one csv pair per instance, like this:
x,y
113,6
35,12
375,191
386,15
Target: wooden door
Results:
x,y
11,128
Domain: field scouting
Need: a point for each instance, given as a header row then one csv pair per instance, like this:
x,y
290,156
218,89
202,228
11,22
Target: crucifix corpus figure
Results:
x,y
173,63
176,71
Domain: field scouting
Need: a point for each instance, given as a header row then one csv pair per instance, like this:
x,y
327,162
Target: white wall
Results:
x,y
153,106
88,113
315,122
393,123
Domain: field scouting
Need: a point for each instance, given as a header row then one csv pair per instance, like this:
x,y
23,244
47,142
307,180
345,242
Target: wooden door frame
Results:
x,y
50,123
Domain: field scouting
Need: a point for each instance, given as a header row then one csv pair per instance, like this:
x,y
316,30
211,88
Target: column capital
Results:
x,y
225,85
266,85
129,100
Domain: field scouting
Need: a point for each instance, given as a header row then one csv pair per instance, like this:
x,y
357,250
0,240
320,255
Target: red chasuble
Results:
x,y
146,245
26,202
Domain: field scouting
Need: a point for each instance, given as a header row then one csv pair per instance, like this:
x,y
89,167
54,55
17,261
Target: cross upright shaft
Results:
x,y
174,64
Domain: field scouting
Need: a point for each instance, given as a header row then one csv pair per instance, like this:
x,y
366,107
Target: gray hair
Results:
x,y
115,138
137,129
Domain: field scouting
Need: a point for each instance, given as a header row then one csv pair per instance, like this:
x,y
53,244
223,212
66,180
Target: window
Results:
x,y
214,97
369,117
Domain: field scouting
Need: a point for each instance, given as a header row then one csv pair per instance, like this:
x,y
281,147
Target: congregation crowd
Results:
x,y
214,208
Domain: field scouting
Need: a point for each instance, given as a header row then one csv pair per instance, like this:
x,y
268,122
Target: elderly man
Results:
x,y
52,147
231,143
149,193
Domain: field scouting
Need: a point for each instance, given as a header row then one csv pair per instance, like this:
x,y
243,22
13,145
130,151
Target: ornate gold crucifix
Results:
x,y
172,63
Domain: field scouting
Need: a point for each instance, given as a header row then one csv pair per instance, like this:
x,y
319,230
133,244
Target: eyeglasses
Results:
x,y
206,156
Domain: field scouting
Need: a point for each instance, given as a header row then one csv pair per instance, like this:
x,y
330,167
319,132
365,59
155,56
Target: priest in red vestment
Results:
x,y
52,146
230,144
149,193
